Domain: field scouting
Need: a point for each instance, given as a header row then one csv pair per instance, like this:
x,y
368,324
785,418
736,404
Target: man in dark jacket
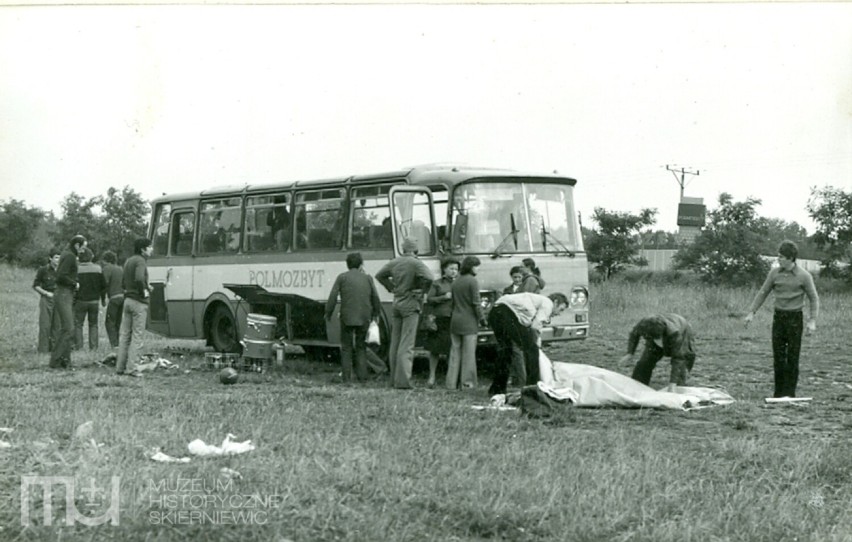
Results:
x,y
113,277
359,305
63,302
665,335
91,291
135,310
45,284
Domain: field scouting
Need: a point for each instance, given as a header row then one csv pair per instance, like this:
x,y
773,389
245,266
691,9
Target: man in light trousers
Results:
x,y
408,278
135,310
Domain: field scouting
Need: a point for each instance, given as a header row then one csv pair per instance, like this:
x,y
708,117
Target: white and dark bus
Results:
x,y
277,248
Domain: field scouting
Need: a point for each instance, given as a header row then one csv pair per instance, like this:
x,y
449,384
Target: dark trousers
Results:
x,y
786,345
83,311
353,340
63,307
112,321
650,356
48,324
509,331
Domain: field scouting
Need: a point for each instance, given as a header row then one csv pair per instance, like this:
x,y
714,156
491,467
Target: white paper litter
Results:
x,y
230,473
165,458
84,431
229,447
493,407
159,363
4,444
6,429
788,399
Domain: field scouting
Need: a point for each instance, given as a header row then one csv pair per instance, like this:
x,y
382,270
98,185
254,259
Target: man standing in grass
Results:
x,y
63,302
113,277
135,310
791,284
408,278
665,335
91,291
45,284
359,304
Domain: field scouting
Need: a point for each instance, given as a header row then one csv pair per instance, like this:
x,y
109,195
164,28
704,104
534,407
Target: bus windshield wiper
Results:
x,y
513,234
560,246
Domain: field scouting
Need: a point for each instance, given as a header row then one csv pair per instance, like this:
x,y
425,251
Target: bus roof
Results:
x,y
418,175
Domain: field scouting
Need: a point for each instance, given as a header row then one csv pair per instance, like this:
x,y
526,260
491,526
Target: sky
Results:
x,y
757,98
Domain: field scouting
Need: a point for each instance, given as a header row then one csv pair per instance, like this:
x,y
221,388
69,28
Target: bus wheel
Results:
x,y
223,331
322,354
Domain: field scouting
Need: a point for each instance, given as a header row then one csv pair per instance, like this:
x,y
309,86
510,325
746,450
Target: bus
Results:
x,y
276,248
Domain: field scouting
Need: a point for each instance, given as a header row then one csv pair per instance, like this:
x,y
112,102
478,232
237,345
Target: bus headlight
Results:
x,y
579,297
486,301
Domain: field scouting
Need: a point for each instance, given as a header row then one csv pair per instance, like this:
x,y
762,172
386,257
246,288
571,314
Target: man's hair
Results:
x,y
354,260
53,252
86,255
108,256
558,297
468,264
529,263
76,240
140,244
516,269
650,326
446,262
789,250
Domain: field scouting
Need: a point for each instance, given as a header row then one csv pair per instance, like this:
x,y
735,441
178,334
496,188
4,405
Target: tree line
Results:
x,y
109,222
729,247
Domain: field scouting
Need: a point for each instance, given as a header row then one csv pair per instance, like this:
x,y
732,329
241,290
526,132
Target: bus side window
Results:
x,y
320,223
183,233
267,224
221,226
161,229
371,222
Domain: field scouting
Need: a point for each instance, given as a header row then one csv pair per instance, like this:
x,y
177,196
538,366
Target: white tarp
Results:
x,y
589,386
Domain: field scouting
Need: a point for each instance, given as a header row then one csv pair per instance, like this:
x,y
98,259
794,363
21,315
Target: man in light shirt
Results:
x,y
517,319
790,284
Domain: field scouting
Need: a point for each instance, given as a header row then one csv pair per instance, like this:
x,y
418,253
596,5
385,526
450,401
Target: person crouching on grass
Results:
x,y
790,284
517,319
665,335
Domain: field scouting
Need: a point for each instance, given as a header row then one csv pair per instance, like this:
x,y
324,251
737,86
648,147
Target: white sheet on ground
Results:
x,y
590,386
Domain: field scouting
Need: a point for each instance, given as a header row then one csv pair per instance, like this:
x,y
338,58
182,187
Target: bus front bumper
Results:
x,y
548,334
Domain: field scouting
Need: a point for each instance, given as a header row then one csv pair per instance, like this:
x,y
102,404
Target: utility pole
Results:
x,y
683,172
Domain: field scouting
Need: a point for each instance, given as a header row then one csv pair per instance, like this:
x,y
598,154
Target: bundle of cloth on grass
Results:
x,y
588,386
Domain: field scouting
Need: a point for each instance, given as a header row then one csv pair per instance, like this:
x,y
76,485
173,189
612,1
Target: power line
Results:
x,y
683,172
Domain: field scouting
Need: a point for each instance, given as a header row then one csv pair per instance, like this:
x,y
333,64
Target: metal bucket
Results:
x,y
260,326
257,349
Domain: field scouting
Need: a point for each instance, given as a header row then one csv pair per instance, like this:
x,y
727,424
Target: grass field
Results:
x,y
370,463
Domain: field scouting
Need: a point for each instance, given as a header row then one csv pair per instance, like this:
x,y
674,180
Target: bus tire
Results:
x,y
322,354
223,331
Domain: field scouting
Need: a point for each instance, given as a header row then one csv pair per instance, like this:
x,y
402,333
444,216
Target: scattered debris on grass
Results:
x,y
158,455
230,473
229,447
155,363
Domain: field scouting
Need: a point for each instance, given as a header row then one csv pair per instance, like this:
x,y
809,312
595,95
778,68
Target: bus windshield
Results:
x,y
509,217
